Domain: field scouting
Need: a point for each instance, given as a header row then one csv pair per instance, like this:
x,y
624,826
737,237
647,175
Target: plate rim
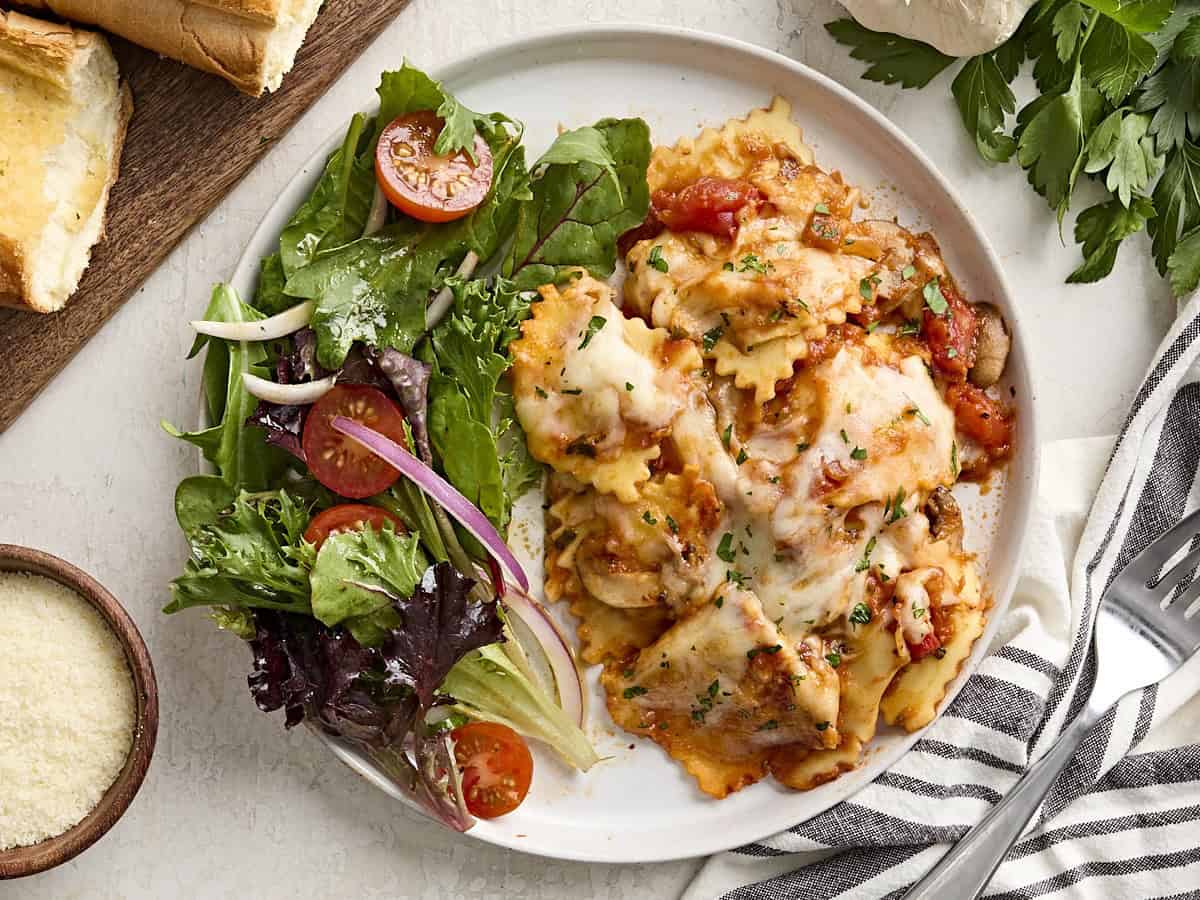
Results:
x,y
1024,480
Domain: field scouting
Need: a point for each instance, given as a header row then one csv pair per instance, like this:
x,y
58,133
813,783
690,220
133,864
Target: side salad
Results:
x,y
366,453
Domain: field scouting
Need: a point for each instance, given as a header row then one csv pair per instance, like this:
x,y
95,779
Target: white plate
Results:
x,y
638,805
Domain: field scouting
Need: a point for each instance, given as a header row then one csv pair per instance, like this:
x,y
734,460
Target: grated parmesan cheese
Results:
x,y
67,711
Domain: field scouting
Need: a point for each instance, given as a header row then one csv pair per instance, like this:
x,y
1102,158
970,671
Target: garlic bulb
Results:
x,y
955,27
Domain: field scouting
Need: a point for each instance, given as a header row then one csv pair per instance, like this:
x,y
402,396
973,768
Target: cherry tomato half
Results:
x,y
426,186
349,517
341,464
496,768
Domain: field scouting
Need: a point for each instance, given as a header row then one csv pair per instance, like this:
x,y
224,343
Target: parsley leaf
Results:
x,y
1121,144
1184,264
1115,59
725,548
893,59
1101,228
595,323
934,298
1177,201
1140,16
655,259
984,100
1051,145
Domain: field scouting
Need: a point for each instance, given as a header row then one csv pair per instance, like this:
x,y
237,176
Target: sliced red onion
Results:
x,y
441,304
288,394
439,490
287,322
568,679
378,214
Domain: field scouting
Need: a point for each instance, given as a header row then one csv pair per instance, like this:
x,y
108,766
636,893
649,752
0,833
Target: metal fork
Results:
x,y
1146,628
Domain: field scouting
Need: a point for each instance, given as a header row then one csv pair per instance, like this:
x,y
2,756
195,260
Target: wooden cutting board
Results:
x,y
159,196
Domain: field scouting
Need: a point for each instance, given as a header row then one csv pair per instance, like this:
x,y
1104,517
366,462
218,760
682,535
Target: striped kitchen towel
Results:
x,y
1123,821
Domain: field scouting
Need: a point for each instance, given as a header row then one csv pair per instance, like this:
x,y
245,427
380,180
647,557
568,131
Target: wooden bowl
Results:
x,y
21,861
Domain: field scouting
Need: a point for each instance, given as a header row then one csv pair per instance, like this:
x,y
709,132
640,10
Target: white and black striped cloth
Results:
x,y
1123,821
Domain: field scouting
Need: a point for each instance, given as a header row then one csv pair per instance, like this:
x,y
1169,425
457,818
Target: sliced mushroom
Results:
x,y
608,581
945,518
992,344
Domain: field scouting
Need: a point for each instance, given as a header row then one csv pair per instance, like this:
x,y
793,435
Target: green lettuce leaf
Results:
x,y
577,212
337,210
359,573
246,552
488,686
239,451
482,455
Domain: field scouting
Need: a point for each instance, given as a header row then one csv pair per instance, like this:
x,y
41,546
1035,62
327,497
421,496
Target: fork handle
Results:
x,y
967,868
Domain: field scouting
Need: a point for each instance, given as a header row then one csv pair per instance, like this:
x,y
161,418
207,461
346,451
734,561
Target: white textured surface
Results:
x,y
231,806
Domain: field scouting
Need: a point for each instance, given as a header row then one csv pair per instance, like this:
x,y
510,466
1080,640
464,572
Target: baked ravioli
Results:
x,y
753,443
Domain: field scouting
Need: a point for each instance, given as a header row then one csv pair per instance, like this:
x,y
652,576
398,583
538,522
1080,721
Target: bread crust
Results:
x,y
48,50
230,38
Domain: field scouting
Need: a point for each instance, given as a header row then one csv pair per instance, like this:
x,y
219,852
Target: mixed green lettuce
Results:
x,y
364,634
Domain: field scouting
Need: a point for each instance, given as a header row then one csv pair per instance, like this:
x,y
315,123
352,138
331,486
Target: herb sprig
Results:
x,y
1118,102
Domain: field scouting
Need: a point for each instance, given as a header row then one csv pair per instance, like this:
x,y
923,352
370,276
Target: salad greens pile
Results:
x,y
1118,102
387,637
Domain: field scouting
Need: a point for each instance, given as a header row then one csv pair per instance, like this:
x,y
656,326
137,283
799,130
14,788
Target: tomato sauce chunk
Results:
x,y
981,418
951,334
709,204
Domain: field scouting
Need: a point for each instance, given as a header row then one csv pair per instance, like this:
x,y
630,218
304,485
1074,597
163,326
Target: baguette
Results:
x,y
63,114
251,43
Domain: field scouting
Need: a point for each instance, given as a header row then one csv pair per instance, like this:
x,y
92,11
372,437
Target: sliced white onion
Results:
x,y
445,297
439,490
288,394
378,214
287,322
568,679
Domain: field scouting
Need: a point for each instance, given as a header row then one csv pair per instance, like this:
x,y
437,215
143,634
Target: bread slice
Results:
x,y
251,43
63,114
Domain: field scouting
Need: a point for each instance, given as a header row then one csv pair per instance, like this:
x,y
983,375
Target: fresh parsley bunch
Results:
x,y
1119,102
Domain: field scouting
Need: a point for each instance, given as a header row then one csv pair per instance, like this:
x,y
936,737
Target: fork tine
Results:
x,y
1178,572
1189,596
1146,564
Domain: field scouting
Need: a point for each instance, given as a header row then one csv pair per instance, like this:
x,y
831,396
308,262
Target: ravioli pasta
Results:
x,y
749,510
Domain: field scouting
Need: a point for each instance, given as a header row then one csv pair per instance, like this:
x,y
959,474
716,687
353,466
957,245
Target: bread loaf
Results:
x,y
63,113
251,43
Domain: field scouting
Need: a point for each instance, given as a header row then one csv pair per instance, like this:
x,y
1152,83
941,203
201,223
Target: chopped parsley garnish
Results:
x,y
714,687
727,267
719,602
711,337
802,446
908,272
751,263
834,658
742,456
940,653
893,510
861,614
951,353
865,563
845,438
934,298
574,392
673,525
648,518
655,259
725,548
774,479
858,453
635,691
918,612
540,392
954,458
910,327
866,287
769,725
916,411
822,209
736,577
595,323
727,435
628,386
772,650
628,673
821,726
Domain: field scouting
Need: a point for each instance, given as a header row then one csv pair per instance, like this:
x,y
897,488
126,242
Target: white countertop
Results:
x,y
232,806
